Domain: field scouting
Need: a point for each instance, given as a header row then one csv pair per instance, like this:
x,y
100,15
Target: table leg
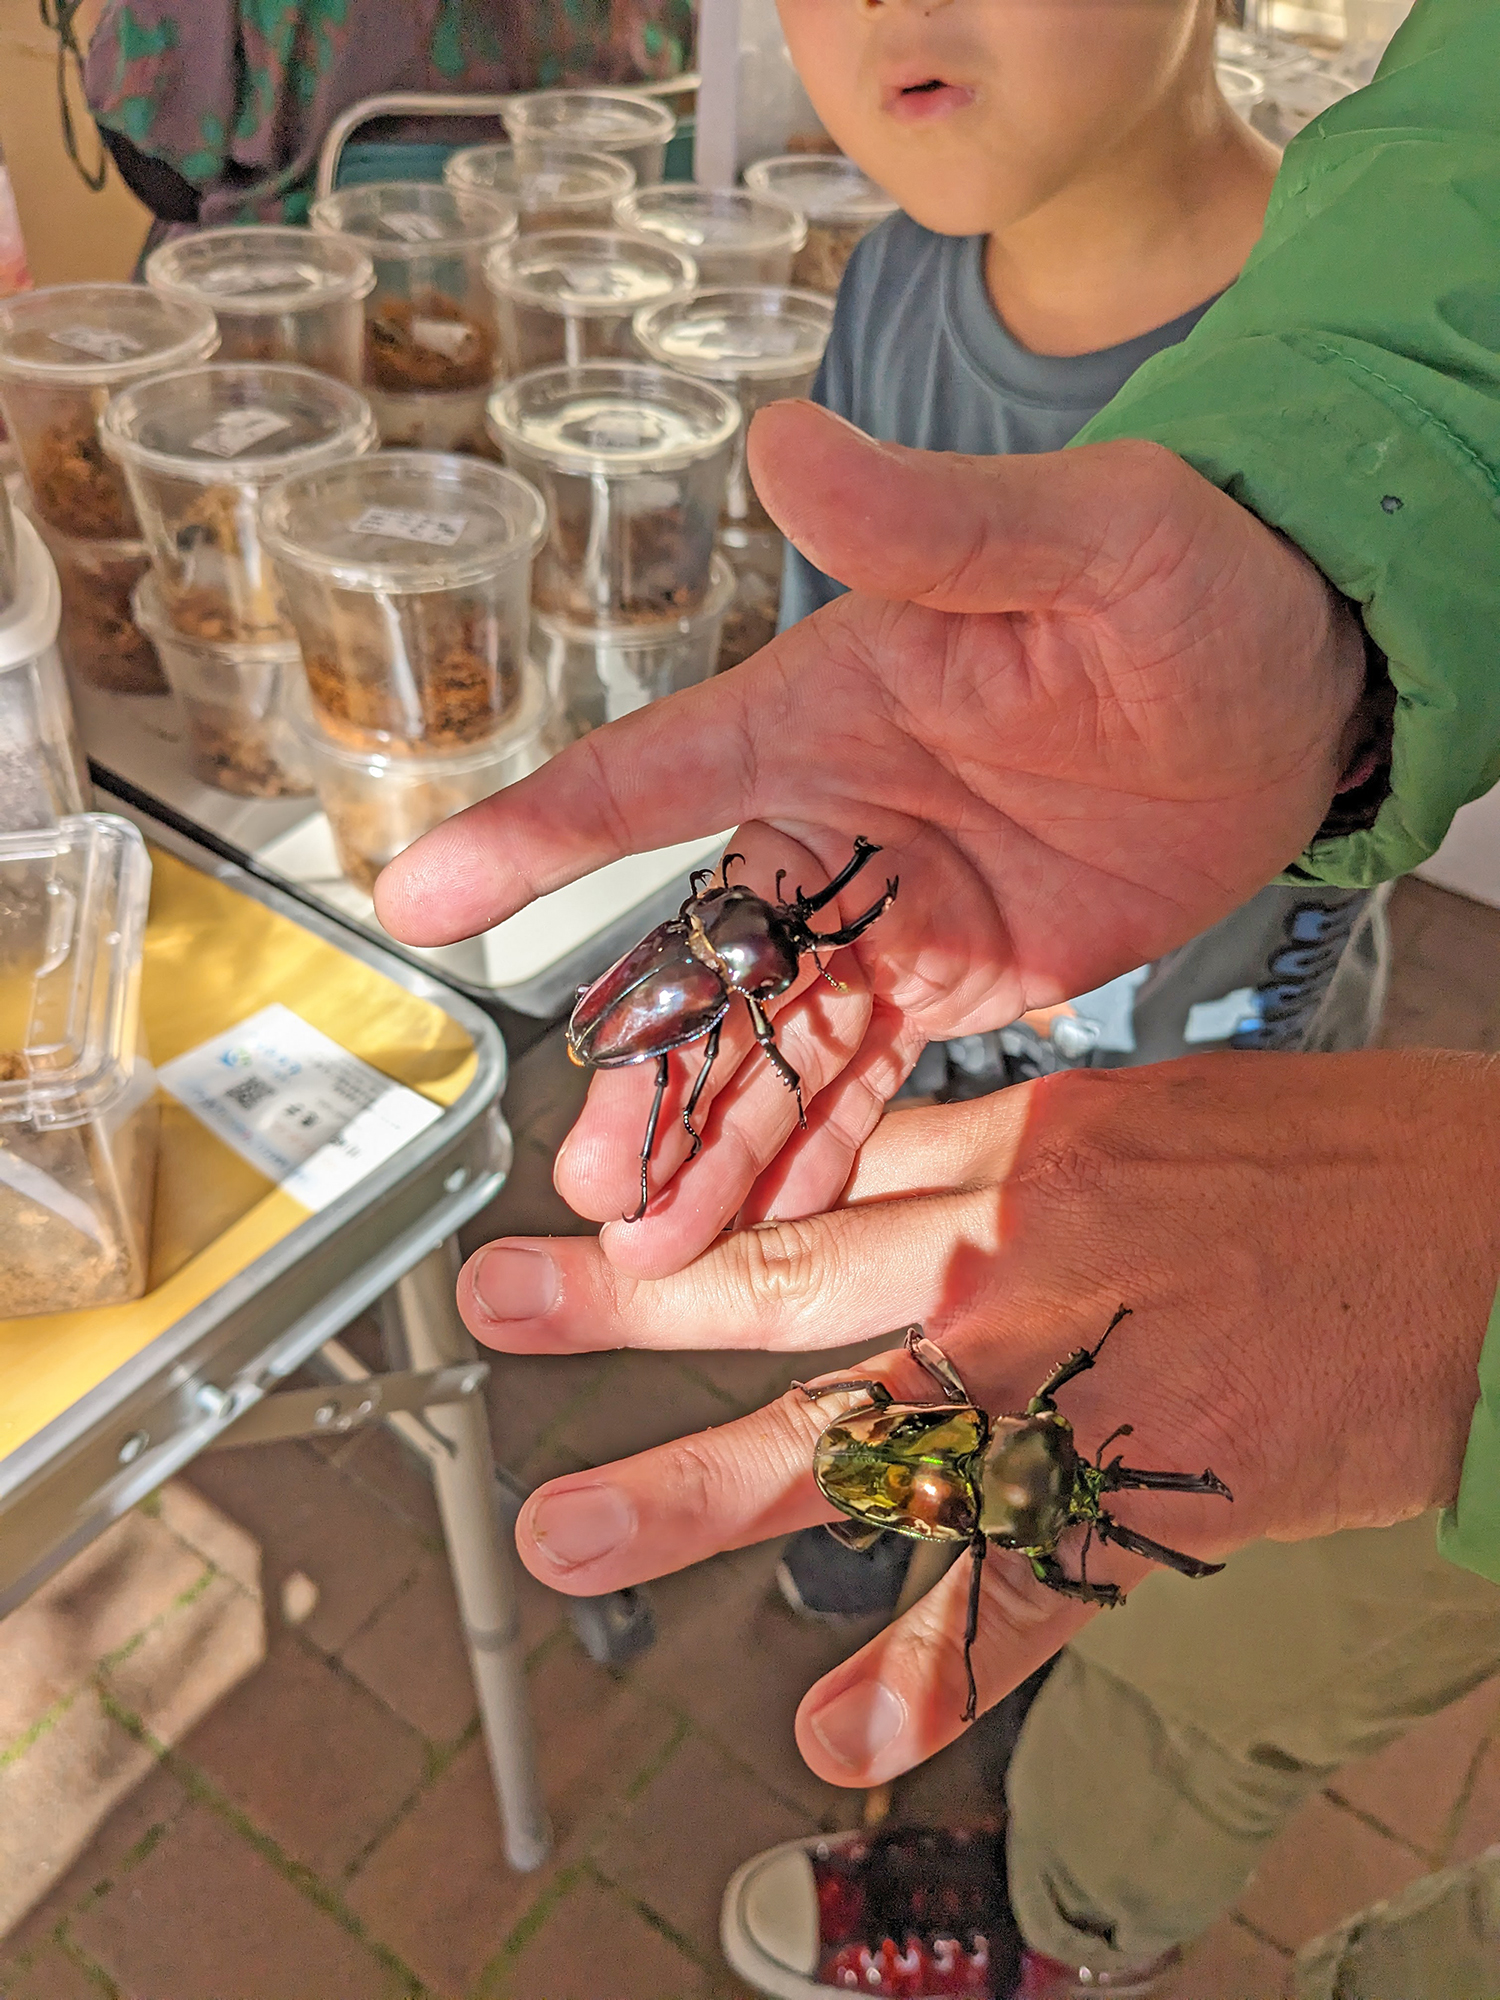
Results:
x,y
480,1553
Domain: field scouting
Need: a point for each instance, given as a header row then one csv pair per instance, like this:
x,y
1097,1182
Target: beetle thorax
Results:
x,y
1026,1482
745,939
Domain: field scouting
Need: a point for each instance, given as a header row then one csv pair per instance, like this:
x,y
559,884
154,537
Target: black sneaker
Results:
x,y
822,1578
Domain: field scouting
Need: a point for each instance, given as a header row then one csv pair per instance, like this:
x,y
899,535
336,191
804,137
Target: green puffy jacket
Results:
x,y
1347,390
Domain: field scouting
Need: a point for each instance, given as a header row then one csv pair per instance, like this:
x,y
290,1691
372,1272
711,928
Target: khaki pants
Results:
x,y
1437,1940
1176,1737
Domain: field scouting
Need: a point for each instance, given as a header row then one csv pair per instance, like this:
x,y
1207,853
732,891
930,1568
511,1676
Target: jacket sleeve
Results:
x,y
1347,390
1469,1532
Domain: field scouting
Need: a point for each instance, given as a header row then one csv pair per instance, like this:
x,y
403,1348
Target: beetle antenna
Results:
x,y
1124,1431
780,878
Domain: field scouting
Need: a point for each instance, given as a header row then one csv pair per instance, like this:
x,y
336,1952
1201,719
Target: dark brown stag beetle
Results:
x,y
675,986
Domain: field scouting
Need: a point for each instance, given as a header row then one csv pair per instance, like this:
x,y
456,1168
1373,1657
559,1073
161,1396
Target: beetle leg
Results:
x,y
880,1397
765,1034
1078,1363
1110,1530
806,905
931,1358
691,1106
663,1073
853,1535
862,923
1119,1478
1048,1570
837,984
978,1549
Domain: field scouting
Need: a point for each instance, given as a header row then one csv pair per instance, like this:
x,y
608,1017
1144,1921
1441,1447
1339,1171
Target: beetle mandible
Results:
x,y
949,1472
675,986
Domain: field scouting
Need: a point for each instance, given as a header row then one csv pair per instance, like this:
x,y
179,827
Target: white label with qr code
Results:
x,y
414,228
238,431
99,342
294,1104
406,524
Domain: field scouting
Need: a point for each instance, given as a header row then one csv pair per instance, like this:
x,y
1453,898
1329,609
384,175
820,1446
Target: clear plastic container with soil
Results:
x,y
600,672
553,187
430,341
407,576
42,774
633,462
63,353
838,202
378,801
199,449
634,128
569,295
234,700
755,556
760,342
733,237
278,294
78,1116
100,642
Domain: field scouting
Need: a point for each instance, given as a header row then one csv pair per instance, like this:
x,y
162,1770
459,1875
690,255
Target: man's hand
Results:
x,y
1085,702
1309,1245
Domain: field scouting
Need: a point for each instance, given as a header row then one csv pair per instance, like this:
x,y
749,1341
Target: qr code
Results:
x,y
249,1092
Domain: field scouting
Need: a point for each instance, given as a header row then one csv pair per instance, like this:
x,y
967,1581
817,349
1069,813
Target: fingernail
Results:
x,y
581,1524
512,1283
857,1725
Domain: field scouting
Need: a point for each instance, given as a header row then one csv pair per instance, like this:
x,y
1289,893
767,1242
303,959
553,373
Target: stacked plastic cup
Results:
x,y
431,338
733,237
634,128
571,294
553,187
278,294
633,461
63,353
839,204
42,774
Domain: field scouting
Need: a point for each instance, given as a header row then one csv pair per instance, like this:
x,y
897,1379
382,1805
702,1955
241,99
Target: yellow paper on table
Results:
x,y
213,958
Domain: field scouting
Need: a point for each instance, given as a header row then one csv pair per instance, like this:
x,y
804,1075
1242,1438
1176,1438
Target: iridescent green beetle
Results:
x,y
949,1472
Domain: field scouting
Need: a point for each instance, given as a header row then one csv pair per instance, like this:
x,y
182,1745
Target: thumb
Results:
x,y
1044,531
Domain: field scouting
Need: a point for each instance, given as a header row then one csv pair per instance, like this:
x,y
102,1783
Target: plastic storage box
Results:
x,y
633,462
234,701
42,774
570,294
601,672
63,353
733,237
407,577
553,187
78,1116
430,332
278,294
198,450
839,203
635,128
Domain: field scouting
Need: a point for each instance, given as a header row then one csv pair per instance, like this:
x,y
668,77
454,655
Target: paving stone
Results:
x,y
55,1976
527,1394
1326,1866
1415,1785
637,1401
413,1656
1231,1963
190,1660
308,1517
376,1461
1479,1819
592,1944
206,1915
309,1757
210,1533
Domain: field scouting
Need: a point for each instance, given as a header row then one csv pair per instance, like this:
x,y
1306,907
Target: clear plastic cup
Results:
x,y
63,353
407,576
430,329
1241,89
756,556
733,237
635,128
570,294
839,203
42,773
378,801
762,342
100,642
599,672
278,294
78,1117
234,701
633,462
553,187
198,450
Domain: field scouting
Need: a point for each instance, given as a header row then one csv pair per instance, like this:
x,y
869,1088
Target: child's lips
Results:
x,y
924,99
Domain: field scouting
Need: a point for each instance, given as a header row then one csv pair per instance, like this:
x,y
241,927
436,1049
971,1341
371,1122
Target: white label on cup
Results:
x,y
237,430
99,342
414,228
407,524
448,337
232,280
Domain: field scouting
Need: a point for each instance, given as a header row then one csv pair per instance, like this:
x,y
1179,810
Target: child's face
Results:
x,y
973,113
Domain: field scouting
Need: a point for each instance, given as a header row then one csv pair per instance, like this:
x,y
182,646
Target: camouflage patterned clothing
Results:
x,y
236,95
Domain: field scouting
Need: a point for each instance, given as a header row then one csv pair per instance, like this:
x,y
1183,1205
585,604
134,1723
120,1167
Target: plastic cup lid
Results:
x,y
616,418
1240,86
732,333
92,334
606,119
413,761
236,422
825,187
701,218
544,176
28,625
585,273
404,521
406,219
258,270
